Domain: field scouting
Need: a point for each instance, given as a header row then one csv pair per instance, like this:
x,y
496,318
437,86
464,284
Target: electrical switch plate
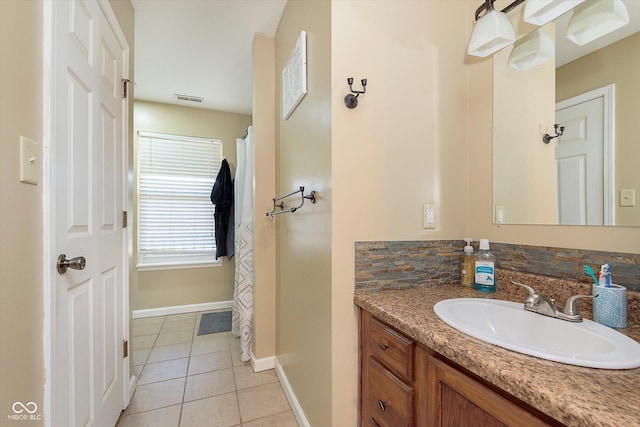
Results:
x,y
429,215
29,161
627,198
499,214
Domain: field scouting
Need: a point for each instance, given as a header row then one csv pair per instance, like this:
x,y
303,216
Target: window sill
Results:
x,y
150,266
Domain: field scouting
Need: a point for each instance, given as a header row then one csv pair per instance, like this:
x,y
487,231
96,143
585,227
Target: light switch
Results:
x,y
499,214
429,215
627,198
29,161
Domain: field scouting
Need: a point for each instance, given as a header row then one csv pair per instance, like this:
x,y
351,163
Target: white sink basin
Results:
x,y
509,325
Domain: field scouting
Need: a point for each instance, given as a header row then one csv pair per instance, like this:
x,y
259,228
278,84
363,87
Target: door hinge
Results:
x,y
125,349
124,219
125,87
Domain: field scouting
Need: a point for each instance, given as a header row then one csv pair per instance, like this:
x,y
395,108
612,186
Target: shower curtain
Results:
x,y
242,313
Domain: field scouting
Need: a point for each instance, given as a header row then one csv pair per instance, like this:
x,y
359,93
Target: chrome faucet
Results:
x,y
547,306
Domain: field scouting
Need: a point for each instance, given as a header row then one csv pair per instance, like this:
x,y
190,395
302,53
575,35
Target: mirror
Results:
x,y
596,92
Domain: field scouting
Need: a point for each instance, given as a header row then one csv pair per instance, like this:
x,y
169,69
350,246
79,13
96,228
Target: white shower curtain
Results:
x,y
242,319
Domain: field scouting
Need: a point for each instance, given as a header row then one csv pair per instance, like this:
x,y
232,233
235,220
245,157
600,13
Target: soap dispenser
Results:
x,y
485,269
468,265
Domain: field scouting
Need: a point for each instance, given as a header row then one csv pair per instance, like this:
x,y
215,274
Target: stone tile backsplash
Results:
x,y
405,264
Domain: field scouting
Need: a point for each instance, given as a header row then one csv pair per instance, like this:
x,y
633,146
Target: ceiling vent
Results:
x,y
188,98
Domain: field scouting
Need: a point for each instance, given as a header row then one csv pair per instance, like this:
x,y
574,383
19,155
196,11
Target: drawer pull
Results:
x,y
373,423
383,347
383,407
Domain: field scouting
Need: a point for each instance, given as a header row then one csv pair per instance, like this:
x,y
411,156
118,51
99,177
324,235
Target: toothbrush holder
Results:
x,y
610,306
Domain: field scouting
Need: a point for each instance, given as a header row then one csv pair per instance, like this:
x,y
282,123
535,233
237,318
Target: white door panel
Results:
x,y
89,144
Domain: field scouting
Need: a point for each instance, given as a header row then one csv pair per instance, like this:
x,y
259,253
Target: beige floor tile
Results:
x,y
144,341
246,378
234,341
149,321
179,325
235,358
217,411
209,343
262,401
169,352
161,371
181,317
163,417
140,356
156,395
209,384
209,362
137,370
173,338
146,329
285,419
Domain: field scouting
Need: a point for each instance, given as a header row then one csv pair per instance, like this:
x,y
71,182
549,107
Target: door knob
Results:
x,y
77,263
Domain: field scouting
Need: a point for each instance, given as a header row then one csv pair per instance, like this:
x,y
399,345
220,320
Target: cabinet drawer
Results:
x,y
394,350
390,400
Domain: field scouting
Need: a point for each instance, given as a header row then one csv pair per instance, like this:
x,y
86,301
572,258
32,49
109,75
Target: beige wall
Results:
x,y
618,63
527,191
166,288
264,230
21,243
401,147
304,238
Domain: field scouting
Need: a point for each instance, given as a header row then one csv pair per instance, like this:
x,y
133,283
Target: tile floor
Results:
x,y
186,380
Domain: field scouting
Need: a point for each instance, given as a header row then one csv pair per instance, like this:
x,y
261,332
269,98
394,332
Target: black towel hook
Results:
x,y
351,100
547,138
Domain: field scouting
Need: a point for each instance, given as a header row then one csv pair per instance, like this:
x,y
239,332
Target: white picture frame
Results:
x,y
294,77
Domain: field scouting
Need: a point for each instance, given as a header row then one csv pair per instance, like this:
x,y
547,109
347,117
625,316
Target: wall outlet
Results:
x,y
429,215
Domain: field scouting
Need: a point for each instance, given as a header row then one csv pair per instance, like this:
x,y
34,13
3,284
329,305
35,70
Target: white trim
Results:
x,y
153,266
180,309
291,397
132,387
607,93
262,364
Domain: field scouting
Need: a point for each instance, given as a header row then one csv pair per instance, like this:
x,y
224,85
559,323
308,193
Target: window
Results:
x,y
175,213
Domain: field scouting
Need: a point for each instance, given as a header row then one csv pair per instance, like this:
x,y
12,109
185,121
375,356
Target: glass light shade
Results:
x,y
596,18
492,32
539,12
531,50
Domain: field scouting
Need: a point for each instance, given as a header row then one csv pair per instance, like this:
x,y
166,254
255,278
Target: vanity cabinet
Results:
x,y
403,383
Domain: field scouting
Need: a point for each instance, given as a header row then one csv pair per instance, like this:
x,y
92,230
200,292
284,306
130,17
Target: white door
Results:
x,y
88,115
585,159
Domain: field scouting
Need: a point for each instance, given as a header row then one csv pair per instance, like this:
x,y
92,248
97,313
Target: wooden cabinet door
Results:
x,y
455,399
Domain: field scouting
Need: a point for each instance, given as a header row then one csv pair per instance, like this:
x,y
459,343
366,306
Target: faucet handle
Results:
x,y
532,291
571,304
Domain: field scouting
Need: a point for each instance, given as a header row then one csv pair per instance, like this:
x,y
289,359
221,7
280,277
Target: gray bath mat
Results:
x,y
212,323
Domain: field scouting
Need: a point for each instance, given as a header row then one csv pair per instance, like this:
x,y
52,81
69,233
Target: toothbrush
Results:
x,y
591,273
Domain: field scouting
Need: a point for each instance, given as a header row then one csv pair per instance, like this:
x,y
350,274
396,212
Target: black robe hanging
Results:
x,y
222,199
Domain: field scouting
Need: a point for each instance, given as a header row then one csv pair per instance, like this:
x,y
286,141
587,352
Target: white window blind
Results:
x,y
175,213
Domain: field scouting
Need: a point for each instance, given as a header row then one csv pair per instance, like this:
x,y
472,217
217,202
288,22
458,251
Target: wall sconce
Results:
x,y
493,30
531,50
595,19
547,138
539,12
351,100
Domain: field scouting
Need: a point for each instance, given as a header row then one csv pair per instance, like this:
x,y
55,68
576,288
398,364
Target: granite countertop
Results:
x,y
573,395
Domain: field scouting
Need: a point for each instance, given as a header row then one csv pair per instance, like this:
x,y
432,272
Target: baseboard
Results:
x,y
262,364
291,397
180,309
132,387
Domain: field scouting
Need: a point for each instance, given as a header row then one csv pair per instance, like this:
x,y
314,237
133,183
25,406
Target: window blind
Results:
x,y
175,213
